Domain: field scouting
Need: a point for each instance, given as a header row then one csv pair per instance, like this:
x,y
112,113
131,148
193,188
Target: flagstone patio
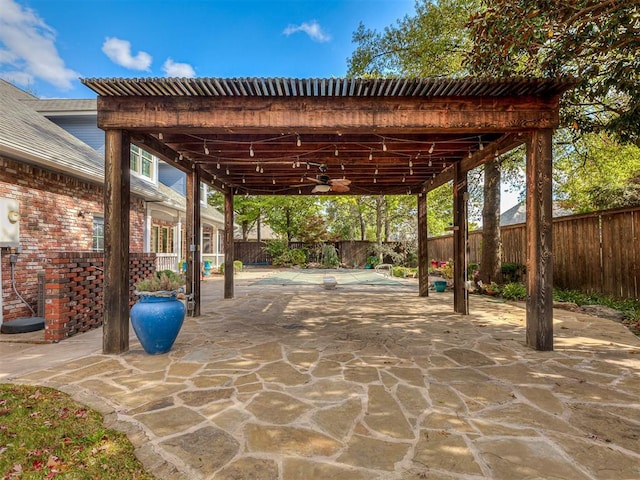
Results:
x,y
365,382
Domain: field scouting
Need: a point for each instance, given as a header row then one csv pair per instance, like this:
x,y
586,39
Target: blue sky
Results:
x,y
46,45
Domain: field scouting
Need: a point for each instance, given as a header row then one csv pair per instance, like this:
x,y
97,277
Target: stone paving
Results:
x,y
369,382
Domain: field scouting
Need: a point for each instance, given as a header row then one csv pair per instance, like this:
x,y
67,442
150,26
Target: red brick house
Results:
x,y
52,195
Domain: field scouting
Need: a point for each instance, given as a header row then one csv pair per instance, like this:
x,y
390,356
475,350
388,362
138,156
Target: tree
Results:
x,y
287,215
246,210
596,41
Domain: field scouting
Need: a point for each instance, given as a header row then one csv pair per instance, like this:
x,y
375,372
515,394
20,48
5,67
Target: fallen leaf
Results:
x,y
53,461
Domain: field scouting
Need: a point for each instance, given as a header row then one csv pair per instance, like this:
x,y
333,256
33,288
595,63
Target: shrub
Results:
x,y
289,258
165,280
330,256
514,291
511,272
237,266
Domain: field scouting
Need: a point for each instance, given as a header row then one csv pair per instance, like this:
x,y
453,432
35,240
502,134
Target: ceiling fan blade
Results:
x,y
339,187
340,181
315,180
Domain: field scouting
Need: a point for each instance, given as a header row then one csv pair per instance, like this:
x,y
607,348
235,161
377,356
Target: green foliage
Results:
x,y
514,291
247,209
595,42
512,272
447,269
276,247
45,434
288,216
403,272
373,260
165,280
330,256
630,307
237,266
597,173
290,258
430,43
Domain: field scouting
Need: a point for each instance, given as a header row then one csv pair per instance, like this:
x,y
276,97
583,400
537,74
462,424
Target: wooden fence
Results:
x,y
595,253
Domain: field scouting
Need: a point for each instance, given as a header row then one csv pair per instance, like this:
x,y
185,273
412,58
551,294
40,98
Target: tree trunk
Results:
x,y
288,215
258,228
490,268
379,223
245,230
363,226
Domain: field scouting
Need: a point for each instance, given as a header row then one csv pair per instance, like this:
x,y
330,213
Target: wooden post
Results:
x,y
539,241
228,244
423,249
460,241
115,333
192,225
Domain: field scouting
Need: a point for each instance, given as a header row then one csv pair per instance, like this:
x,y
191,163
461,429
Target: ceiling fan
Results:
x,y
322,183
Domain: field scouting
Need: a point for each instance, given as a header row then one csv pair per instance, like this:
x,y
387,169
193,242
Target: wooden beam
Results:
x,y
154,146
115,333
539,241
460,242
327,114
423,249
502,145
228,245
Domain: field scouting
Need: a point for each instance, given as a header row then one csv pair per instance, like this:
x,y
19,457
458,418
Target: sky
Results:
x,y
46,46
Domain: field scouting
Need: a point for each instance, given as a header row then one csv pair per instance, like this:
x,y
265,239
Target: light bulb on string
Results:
x,y
227,170
298,141
335,152
160,136
410,163
215,177
308,167
299,191
251,152
243,180
376,172
181,157
433,145
469,153
342,166
371,154
298,162
218,164
274,181
411,171
481,145
261,170
301,179
206,149
404,178
374,180
257,167
293,165
430,162
384,145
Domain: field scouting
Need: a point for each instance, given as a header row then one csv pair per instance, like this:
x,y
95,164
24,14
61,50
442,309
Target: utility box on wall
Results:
x,y
9,223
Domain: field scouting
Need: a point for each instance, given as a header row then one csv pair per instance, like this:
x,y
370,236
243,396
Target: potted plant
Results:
x,y
158,315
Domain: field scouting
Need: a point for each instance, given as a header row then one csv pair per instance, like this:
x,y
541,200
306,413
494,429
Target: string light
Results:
x,y
299,191
293,165
227,170
342,166
411,171
376,172
243,180
308,167
433,145
215,177
410,162
257,167
335,152
301,179
374,180
404,178
251,152
298,141
384,145
181,157
481,145
206,149
218,164
430,163
261,170
298,162
274,181
371,154
160,136
470,153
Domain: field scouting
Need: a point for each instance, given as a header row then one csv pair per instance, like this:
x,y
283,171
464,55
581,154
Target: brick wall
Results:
x,y
74,290
56,214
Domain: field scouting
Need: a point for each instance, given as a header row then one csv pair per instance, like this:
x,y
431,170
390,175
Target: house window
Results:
x,y
161,239
142,162
220,242
206,242
97,242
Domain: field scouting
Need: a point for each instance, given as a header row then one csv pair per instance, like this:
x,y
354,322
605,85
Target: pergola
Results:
x,y
275,136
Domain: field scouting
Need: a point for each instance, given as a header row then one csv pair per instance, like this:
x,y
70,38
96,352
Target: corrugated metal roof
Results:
x,y
28,136
327,87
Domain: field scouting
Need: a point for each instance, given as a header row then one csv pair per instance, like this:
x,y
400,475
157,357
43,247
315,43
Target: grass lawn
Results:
x,y
45,434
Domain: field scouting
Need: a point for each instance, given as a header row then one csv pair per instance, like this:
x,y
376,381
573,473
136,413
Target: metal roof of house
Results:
x,y
325,87
26,135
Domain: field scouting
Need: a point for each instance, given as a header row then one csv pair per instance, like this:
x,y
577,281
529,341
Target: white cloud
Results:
x,y
28,48
175,69
313,29
119,52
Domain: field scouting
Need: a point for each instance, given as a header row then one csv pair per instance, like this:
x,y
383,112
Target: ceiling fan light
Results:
x,y
321,189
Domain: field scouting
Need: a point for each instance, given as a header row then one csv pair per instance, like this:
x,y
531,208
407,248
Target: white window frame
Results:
x,y
138,155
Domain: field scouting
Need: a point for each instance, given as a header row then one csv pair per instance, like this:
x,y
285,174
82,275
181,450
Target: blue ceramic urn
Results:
x,y
157,320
